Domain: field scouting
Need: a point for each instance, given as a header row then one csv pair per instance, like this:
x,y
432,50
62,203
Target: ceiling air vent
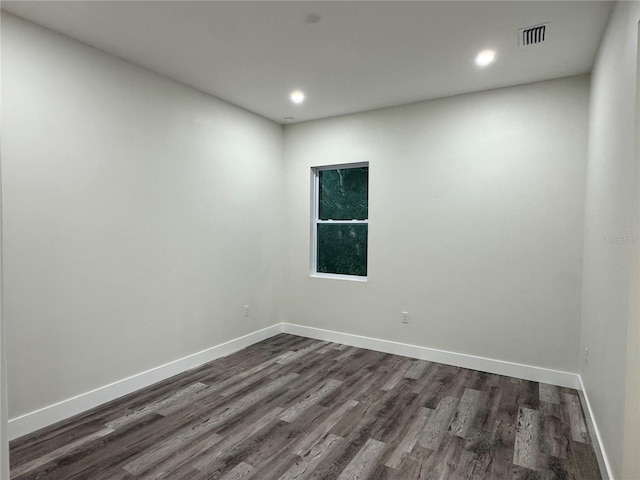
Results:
x,y
532,35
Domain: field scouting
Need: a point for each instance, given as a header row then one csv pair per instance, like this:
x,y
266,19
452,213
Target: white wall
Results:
x,y
612,213
4,399
476,223
139,217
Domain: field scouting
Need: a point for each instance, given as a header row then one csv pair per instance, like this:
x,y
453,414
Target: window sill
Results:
x,y
335,276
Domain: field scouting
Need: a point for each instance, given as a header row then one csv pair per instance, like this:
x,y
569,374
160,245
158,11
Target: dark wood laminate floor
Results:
x,y
295,408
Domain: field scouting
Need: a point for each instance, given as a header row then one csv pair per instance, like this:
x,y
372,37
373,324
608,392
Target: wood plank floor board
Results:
x,y
235,437
293,408
35,447
479,453
240,452
310,398
297,354
394,422
443,465
440,385
479,380
554,436
118,446
417,464
417,369
584,460
370,392
532,394
230,384
504,426
170,446
355,437
551,409
112,474
312,437
347,354
436,428
303,468
60,452
382,472
277,466
527,445
465,412
366,419
173,465
571,404
553,468
503,436
365,461
316,387
94,419
236,448
280,442
428,378
488,408
246,383
410,439
357,382
270,443
549,393
347,370
465,467
328,347
396,375
462,377
242,471
166,401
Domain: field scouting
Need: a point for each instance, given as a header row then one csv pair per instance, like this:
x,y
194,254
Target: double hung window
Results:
x,y
340,221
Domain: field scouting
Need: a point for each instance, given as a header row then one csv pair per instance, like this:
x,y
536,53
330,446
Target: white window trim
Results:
x,y
315,194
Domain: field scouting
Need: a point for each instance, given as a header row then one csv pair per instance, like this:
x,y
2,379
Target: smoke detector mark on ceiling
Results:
x,y
311,18
533,35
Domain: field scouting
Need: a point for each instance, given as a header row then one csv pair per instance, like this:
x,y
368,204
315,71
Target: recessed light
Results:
x,y
297,96
485,57
289,119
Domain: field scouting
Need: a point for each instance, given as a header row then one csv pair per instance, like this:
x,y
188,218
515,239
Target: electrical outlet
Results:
x,y
586,356
246,310
405,317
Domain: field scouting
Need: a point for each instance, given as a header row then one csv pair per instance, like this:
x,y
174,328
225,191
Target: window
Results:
x,y
340,221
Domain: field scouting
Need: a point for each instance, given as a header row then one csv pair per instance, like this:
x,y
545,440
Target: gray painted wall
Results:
x,y
476,223
140,216
612,213
4,399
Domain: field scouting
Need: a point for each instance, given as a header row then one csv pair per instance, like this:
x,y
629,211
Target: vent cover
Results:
x,y
532,35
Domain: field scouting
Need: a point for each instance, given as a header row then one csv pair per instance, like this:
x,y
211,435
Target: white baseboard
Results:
x,y
489,365
499,367
51,414
596,439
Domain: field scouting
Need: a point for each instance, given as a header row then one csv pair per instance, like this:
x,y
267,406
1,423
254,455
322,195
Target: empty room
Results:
x,y
347,240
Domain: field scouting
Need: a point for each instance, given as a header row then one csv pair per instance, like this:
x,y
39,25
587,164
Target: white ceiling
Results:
x,y
359,56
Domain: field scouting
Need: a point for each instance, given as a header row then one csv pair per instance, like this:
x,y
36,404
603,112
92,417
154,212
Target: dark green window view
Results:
x,y
341,226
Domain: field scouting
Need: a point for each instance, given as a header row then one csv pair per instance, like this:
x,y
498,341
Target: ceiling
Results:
x,y
359,56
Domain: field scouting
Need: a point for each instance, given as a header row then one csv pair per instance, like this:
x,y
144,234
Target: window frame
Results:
x,y
315,220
